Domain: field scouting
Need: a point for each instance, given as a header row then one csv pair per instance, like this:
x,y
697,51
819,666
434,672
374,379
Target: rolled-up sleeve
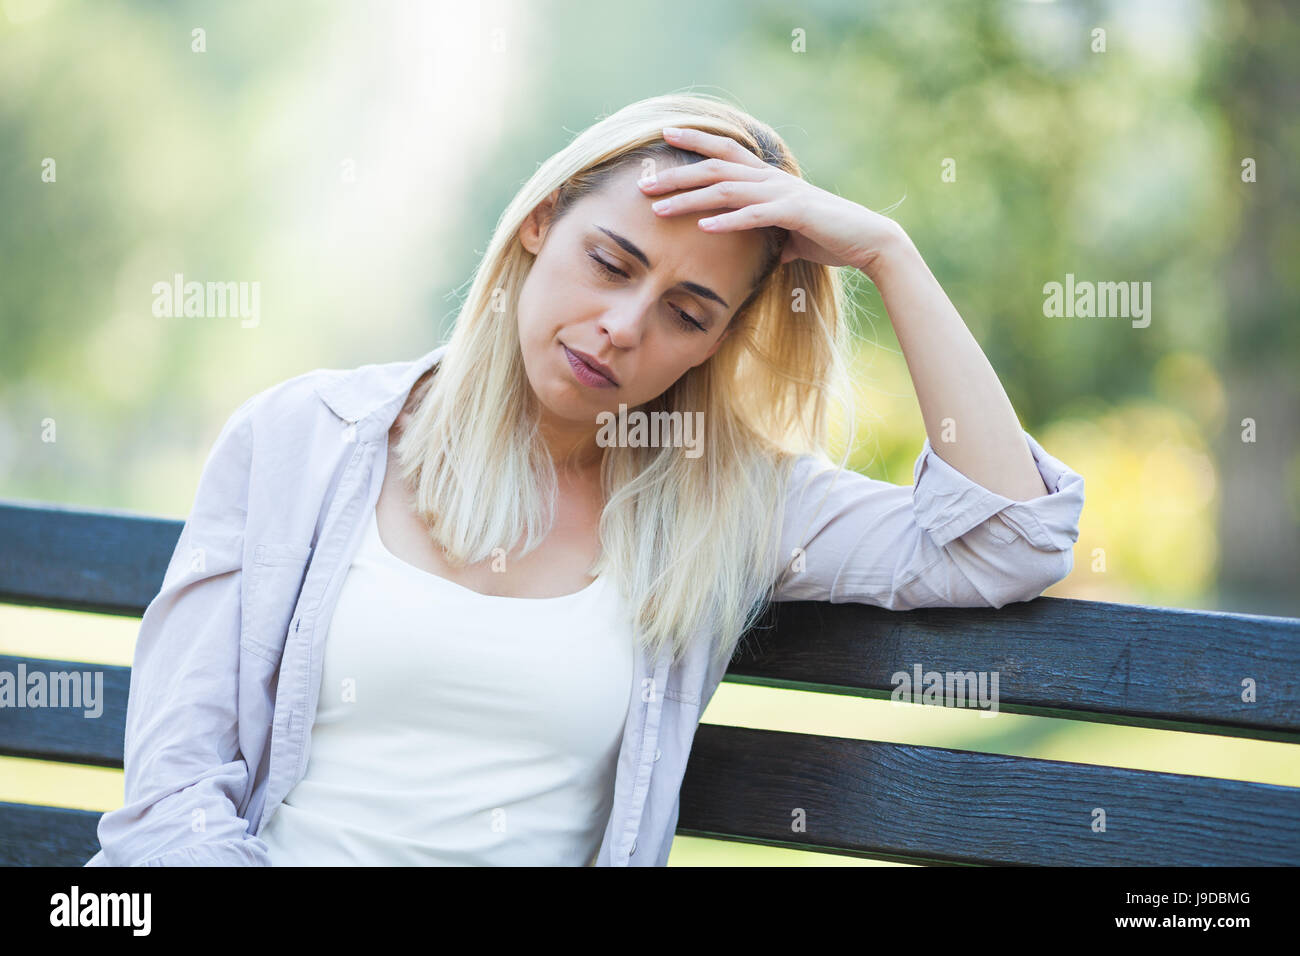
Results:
x,y
184,774
944,541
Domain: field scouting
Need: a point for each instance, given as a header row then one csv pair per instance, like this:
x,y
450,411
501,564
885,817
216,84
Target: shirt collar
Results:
x,y
356,395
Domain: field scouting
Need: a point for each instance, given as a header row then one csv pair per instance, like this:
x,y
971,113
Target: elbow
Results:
x,y
1060,564
1054,567
1050,568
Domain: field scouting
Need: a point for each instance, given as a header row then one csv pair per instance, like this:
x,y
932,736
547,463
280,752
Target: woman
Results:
x,y
491,616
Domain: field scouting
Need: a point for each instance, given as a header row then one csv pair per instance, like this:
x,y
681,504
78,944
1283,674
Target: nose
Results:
x,y
625,322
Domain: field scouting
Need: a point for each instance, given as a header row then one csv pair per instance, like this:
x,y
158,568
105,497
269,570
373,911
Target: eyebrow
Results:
x,y
633,250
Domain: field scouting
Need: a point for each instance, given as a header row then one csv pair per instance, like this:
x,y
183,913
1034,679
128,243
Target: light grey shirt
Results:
x,y
227,668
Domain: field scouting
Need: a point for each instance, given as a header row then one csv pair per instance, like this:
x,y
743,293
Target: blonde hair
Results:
x,y
691,542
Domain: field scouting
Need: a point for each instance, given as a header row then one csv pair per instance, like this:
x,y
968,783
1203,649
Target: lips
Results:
x,y
589,370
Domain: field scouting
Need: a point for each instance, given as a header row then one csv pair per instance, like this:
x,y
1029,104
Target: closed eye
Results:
x,y
608,269
687,320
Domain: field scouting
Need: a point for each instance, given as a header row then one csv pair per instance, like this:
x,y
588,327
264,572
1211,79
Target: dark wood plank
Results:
x,y
936,805
47,836
1115,663
67,733
110,562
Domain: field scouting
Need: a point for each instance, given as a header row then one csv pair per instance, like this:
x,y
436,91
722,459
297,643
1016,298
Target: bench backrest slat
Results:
x,y
936,805
46,836
109,562
1085,660
67,733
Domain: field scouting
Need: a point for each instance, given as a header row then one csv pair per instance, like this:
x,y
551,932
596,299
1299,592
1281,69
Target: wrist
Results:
x,y
894,248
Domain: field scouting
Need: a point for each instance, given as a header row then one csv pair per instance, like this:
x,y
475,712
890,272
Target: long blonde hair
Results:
x,y
691,542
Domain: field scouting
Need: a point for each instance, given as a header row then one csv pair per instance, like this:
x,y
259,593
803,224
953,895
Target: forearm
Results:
x,y
967,414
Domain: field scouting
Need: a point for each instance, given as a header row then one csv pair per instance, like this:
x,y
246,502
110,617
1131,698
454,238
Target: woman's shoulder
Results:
x,y
290,409
289,417
290,399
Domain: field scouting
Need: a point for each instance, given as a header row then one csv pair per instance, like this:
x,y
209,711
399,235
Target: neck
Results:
x,y
573,448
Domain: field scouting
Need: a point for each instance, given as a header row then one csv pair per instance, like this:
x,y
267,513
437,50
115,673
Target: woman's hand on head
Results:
x,y
823,227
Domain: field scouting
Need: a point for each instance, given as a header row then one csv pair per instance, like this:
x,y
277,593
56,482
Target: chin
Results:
x,y
559,399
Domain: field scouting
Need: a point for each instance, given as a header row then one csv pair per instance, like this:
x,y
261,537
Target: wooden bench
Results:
x,y
1123,664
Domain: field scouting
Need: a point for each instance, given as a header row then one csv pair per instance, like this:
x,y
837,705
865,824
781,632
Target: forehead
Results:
x,y
673,243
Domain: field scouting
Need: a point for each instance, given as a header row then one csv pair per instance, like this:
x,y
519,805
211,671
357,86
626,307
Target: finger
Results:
x,y
711,144
751,217
724,195
699,174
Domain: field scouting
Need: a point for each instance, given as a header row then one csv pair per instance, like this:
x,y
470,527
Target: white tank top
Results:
x,y
458,728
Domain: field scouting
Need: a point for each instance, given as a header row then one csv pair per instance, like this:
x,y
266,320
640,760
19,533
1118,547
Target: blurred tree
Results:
x,y
1255,85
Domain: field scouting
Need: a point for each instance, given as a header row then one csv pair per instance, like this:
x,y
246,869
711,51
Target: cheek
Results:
x,y
531,297
553,298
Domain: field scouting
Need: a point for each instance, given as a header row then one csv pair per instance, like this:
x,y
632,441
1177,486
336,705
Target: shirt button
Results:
x,y
658,753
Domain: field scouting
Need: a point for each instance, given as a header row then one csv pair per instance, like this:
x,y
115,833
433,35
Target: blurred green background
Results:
x,y
352,159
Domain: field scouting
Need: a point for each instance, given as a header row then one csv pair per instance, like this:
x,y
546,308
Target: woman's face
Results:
x,y
646,296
